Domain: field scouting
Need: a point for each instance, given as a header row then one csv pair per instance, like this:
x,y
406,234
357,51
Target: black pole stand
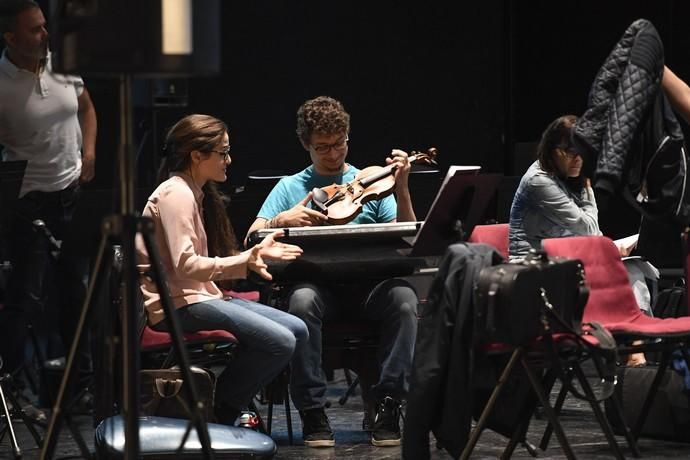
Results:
x,y
11,409
125,227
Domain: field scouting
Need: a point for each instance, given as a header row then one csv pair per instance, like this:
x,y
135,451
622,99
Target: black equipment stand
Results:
x,y
14,412
11,176
125,228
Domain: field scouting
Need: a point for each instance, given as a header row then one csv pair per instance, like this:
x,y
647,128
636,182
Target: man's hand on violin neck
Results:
x,y
403,166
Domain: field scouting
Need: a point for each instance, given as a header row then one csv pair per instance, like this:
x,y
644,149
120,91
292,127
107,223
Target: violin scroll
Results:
x,y
428,157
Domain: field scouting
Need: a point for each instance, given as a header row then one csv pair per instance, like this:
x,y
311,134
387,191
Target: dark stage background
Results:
x,y
479,81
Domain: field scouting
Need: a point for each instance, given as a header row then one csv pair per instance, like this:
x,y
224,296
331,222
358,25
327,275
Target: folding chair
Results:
x,y
612,303
542,361
495,235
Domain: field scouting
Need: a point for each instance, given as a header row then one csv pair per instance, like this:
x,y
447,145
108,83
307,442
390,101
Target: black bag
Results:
x,y
510,298
671,303
163,392
669,416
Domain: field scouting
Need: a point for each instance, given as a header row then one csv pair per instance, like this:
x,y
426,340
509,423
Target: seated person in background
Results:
x,y
323,126
197,247
554,200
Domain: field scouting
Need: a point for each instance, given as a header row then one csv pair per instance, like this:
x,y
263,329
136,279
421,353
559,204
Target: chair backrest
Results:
x,y
611,298
495,235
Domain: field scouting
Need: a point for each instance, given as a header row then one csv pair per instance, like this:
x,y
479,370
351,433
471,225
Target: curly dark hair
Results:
x,y
203,133
322,115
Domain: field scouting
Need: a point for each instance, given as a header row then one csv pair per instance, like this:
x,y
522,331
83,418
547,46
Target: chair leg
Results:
x,y
269,422
481,423
352,386
520,434
548,410
288,415
627,432
548,431
651,394
600,416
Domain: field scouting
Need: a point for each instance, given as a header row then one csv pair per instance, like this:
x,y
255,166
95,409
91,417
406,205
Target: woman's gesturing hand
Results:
x,y
275,250
270,249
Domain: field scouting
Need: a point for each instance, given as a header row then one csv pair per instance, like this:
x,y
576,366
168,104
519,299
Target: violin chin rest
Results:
x,y
319,198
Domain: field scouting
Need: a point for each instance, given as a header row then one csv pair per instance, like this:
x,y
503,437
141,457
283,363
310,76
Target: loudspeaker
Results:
x,y
147,38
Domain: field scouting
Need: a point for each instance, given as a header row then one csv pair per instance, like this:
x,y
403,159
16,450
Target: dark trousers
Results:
x,y
46,285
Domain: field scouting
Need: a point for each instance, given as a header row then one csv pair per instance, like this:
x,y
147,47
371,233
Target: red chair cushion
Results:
x,y
154,340
611,299
495,235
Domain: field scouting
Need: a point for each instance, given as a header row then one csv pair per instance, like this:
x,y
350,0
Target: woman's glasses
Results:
x,y
225,153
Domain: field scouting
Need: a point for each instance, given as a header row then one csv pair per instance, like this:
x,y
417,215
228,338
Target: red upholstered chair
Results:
x,y
612,303
542,362
205,348
495,235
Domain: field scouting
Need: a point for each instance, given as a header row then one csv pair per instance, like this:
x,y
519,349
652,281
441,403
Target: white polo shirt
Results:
x,y
39,123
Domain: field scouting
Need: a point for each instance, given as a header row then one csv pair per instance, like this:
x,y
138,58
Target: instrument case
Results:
x,y
160,438
510,298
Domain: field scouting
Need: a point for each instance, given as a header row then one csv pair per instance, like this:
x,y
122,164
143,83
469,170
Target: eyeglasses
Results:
x,y
339,146
225,153
571,153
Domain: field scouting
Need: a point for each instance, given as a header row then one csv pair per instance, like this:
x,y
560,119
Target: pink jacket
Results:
x,y
176,209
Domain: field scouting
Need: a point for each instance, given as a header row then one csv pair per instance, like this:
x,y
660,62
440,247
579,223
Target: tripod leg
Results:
x,y
56,419
147,229
13,437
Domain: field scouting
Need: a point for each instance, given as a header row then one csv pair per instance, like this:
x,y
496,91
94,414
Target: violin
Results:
x,y
342,203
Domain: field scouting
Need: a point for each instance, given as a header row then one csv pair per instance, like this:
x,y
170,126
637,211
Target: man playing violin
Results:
x,y
323,126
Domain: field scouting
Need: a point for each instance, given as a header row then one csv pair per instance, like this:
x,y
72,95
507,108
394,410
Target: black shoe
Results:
x,y
316,431
386,423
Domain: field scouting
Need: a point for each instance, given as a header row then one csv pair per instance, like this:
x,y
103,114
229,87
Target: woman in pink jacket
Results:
x,y
198,248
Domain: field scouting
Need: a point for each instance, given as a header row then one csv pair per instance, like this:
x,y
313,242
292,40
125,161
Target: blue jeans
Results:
x,y
392,302
267,339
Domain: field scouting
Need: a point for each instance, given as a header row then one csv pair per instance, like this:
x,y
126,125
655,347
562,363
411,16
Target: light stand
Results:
x,y
125,227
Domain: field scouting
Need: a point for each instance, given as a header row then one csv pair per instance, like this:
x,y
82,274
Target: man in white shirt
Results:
x,y
48,120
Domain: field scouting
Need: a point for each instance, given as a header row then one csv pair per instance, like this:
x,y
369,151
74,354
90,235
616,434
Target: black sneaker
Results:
x,y
386,423
316,431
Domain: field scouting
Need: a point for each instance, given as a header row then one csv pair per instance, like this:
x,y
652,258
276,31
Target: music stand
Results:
x,y
459,205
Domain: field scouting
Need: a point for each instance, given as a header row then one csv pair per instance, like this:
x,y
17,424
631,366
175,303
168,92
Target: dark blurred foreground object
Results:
x,y
169,37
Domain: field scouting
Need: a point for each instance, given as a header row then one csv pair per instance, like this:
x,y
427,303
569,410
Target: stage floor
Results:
x,y
352,443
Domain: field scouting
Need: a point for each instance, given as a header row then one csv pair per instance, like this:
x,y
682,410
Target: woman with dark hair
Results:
x,y
555,200
198,248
